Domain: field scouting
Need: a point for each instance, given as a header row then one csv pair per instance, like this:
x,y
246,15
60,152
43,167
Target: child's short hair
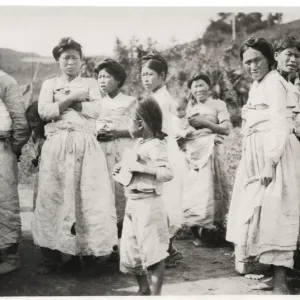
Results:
x,y
32,115
147,109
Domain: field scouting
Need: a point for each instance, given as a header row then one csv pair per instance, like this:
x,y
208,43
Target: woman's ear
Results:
x,y
163,75
276,55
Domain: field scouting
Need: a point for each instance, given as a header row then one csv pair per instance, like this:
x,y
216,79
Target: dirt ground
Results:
x,y
203,271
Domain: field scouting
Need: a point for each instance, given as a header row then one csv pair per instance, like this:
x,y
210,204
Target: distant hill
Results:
x,y
22,65
6,52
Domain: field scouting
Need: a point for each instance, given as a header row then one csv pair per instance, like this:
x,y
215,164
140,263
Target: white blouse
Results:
x,y
266,110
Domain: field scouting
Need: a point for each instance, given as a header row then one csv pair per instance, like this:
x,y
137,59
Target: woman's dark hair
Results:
x,y
32,114
261,45
156,62
65,44
285,43
197,76
112,68
148,110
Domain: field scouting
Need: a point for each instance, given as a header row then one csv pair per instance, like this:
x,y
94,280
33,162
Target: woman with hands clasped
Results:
x,y
75,212
112,129
205,193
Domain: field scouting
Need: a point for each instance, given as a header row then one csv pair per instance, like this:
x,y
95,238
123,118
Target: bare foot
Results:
x,y
254,276
264,285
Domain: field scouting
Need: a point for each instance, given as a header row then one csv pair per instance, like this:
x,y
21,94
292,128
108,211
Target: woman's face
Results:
x,y
200,90
151,79
69,62
255,64
288,60
297,83
107,83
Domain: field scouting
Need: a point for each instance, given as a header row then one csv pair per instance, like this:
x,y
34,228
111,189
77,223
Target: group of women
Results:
x,y
80,208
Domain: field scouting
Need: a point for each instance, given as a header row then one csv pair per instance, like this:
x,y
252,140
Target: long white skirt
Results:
x,y
173,190
74,190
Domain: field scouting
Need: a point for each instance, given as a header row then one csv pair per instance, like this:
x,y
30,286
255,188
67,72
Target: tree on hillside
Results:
x,y
151,44
218,30
274,19
129,57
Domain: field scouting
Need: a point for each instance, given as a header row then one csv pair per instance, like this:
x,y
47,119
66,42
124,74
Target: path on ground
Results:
x,y
202,271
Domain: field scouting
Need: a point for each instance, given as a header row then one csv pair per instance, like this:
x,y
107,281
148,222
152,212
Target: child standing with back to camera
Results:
x,y
37,126
145,239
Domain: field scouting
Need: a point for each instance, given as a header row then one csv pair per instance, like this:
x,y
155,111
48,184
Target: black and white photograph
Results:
x,y
149,150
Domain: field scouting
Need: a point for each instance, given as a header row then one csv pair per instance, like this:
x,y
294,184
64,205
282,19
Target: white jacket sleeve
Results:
x,y
159,160
91,109
47,108
276,139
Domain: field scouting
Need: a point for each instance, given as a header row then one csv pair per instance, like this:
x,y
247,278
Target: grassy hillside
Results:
x,y
22,65
217,53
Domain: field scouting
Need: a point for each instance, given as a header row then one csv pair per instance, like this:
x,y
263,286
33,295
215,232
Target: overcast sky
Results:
x,y
38,29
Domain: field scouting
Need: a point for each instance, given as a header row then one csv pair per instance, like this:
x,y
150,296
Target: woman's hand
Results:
x,y
79,96
76,106
67,101
136,167
117,169
198,121
267,174
107,134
